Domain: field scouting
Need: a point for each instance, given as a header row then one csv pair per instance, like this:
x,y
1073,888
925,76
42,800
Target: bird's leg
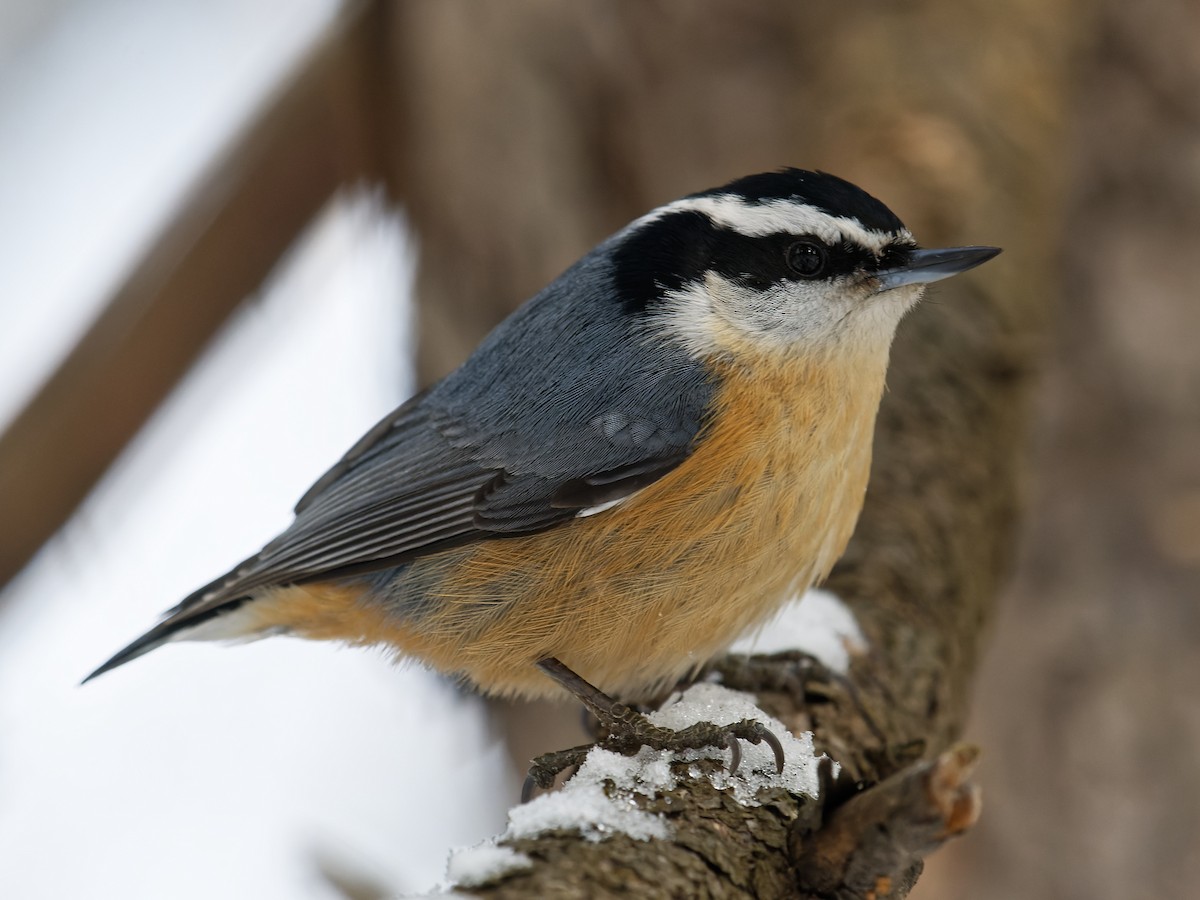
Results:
x,y
627,731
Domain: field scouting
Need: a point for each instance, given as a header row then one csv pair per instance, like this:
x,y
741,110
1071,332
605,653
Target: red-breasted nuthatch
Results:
x,y
654,453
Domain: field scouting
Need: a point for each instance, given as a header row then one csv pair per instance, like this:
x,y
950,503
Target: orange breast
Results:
x,y
640,594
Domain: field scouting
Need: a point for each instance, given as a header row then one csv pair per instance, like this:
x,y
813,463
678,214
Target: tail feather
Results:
x,y
172,627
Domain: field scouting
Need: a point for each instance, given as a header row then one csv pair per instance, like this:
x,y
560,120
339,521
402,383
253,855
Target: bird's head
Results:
x,y
782,262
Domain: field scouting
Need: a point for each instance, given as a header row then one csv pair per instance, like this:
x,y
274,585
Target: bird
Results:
x,y
649,457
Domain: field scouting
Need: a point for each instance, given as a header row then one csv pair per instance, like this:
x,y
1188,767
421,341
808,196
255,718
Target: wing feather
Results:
x,y
540,424
569,404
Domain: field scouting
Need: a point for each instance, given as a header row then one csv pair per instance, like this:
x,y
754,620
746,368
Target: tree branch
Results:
x,y
877,841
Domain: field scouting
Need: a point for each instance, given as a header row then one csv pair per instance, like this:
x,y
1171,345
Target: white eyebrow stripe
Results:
x,y
756,219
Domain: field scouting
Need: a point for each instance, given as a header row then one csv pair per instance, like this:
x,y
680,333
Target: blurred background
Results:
x,y
234,234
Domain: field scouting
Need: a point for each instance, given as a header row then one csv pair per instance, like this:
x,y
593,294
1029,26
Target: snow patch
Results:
x,y
484,863
585,806
818,623
599,800
717,704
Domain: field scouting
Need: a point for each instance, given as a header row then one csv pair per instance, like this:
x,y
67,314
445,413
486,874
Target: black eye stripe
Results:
x,y
758,261
662,255
677,249
895,255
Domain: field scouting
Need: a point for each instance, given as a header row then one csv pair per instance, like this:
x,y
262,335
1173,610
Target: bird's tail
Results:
x,y
181,623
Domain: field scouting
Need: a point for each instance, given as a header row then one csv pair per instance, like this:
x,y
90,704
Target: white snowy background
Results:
x,y
201,771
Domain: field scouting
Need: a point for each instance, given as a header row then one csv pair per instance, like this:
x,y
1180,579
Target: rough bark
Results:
x,y
535,129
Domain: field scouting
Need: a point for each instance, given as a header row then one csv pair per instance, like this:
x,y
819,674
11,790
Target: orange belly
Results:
x,y
641,594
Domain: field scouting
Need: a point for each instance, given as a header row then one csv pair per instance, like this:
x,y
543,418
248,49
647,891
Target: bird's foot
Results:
x,y
626,731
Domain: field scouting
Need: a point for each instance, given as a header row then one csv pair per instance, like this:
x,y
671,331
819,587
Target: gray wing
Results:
x,y
568,404
573,401
417,493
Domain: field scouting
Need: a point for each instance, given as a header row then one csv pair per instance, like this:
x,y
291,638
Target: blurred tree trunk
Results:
x,y
530,130
1089,704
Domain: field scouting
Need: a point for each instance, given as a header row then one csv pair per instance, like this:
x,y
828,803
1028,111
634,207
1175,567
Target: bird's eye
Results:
x,y
807,259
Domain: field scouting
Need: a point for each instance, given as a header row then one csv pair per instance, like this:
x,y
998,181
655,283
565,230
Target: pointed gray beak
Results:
x,y
927,266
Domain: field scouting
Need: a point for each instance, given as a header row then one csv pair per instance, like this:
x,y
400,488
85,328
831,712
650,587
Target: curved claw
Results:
x,y
527,789
776,747
735,752
757,733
